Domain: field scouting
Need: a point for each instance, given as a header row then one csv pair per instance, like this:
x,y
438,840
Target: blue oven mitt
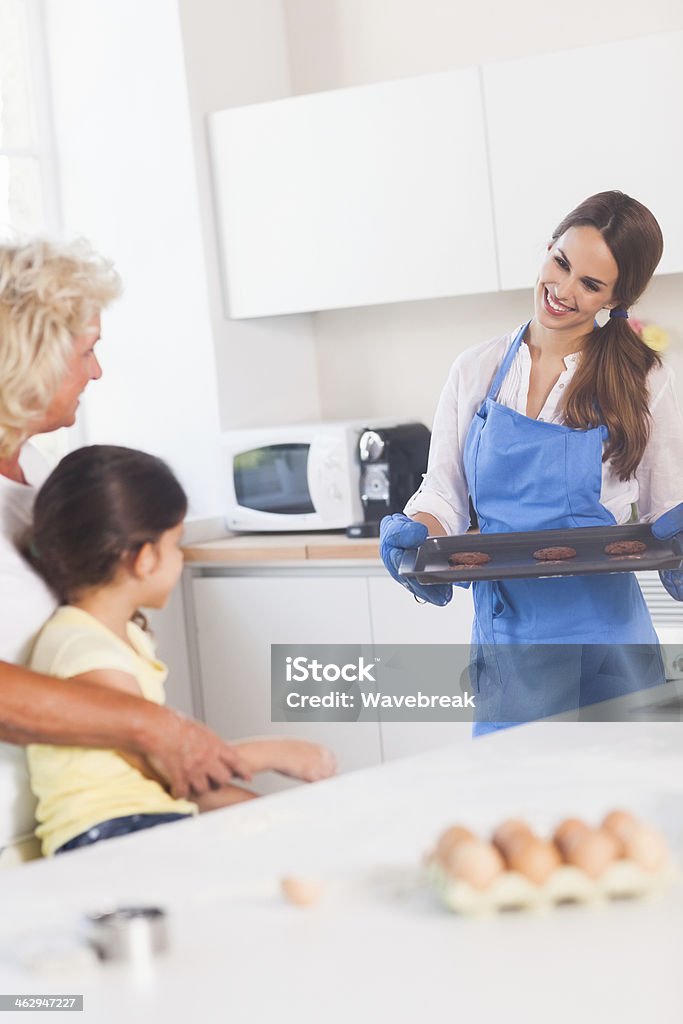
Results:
x,y
667,526
397,534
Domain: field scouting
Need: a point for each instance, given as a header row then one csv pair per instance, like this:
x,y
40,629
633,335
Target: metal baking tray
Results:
x,y
512,554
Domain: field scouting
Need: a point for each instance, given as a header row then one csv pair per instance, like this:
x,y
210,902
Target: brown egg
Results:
x,y
592,851
646,847
449,839
620,824
476,862
517,841
534,858
568,831
510,832
302,892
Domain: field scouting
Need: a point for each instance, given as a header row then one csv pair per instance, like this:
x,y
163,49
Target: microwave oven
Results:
x,y
297,477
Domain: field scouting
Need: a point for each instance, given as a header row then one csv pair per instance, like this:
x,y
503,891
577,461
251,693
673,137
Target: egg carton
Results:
x,y
623,879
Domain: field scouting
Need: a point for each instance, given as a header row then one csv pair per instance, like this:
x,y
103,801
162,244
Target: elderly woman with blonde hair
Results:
x,y
51,298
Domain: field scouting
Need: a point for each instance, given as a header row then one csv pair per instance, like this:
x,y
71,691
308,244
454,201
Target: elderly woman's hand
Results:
x,y
191,758
667,526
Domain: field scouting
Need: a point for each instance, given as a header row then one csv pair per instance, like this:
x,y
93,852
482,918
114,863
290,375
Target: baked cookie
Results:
x,y
466,559
625,547
554,554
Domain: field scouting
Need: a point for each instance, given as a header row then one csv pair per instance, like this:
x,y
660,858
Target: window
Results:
x,y
27,179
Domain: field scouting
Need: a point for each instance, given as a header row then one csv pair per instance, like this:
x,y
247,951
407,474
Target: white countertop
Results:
x,y
378,947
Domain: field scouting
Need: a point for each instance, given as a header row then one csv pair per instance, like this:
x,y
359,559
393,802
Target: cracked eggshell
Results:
x,y
302,892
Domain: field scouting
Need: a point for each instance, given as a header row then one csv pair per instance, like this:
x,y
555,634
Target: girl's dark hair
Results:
x,y
100,505
610,383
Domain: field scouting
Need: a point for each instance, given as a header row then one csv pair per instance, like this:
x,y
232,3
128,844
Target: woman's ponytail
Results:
x,y
610,384
610,387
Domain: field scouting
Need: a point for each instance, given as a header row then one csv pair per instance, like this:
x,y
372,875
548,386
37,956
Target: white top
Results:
x,y
656,487
26,605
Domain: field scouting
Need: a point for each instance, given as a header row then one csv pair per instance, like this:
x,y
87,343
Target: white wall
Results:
x,y
392,359
236,54
128,184
336,43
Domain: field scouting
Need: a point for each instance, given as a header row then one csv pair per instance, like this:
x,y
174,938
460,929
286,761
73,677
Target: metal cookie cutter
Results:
x,y
129,934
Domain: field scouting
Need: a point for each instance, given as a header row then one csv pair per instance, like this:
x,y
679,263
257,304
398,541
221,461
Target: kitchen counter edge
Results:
x,y
238,549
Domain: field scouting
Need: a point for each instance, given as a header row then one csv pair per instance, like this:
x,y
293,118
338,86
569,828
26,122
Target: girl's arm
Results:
x,y
113,678
299,759
309,762
126,683
40,709
226,796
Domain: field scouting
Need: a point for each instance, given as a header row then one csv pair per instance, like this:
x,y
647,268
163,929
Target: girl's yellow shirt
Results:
x,y
78,787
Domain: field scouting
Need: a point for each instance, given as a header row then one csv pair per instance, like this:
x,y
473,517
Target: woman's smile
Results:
x,y
554,306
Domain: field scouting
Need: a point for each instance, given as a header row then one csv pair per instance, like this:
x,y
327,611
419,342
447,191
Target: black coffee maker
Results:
x,y
393,461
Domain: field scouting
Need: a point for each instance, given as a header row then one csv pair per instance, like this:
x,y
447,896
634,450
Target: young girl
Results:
x,y
559,423
106,538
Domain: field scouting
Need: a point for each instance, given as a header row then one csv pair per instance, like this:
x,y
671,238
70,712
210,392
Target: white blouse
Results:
x,y
656,487
27,605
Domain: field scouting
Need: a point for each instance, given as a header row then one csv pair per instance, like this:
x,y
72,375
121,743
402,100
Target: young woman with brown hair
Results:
x,y
560,423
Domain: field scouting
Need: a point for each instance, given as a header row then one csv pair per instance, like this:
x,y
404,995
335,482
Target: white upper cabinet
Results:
x,y
391,192
565,125
355,197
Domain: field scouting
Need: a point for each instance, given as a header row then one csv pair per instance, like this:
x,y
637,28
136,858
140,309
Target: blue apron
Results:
x,y
545,646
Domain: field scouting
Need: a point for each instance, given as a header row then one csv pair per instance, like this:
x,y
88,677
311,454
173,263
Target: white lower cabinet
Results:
x,y
398,619
238,617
